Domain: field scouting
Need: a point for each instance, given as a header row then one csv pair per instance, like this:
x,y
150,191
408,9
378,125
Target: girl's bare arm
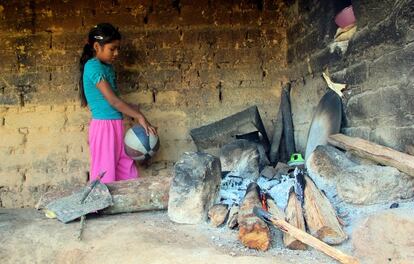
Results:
x,y
123,107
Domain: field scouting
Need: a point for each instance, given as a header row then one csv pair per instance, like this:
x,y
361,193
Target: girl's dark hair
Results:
x,y
102,33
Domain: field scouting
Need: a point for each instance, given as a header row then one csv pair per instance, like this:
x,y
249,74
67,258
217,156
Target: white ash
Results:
x,y
280,192
233,189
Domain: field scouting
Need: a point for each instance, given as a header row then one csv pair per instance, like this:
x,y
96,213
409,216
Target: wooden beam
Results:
x,y
375,152
320,215
253,231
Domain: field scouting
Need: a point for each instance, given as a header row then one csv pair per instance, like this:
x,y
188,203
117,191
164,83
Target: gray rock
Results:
x,y
194,188
359,183
241,157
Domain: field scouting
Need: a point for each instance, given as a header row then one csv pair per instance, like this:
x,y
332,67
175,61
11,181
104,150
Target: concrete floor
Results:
x,y
26,236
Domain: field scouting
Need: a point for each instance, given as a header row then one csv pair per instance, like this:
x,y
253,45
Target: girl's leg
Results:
x,y
102,147
125,169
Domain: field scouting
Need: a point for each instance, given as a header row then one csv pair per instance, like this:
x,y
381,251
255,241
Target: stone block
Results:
x,y
194,188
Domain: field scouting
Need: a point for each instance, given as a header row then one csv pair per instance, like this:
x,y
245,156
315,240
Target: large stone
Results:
x,y
385,237
241,157
194,188
327,162
358,183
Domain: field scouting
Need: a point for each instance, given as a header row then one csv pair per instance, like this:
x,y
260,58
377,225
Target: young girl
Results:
x,y
98,91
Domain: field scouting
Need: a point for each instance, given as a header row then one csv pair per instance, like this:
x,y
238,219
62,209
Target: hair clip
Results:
x,y
98,37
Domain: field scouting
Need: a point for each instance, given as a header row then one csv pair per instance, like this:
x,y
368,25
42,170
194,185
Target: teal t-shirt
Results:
x,y
94,72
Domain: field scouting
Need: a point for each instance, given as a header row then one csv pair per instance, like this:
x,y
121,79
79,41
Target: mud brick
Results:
x,y
354,74
245,18
195,16
68,40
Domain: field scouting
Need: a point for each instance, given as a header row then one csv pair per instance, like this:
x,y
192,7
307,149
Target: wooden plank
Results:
x,y
320,215
308,239
375,152
253,231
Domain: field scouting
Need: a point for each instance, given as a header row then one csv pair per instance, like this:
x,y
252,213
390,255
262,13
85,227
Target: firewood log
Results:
x,y
143,194
320,215
253,232
294,216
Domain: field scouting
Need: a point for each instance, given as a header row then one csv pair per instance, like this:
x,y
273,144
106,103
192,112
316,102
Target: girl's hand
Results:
x,y
149,129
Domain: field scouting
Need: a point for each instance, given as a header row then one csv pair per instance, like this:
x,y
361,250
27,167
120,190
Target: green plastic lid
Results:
x,y
296,159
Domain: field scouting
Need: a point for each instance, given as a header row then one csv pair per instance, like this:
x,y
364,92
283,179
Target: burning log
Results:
x,y
375,152
294,216
143,194
253,232
320,216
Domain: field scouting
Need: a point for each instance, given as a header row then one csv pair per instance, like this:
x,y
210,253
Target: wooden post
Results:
x,y
253,232
320,215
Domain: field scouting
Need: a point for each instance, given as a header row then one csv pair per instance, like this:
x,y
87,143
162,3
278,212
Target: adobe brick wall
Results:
x,y
187,63
378,66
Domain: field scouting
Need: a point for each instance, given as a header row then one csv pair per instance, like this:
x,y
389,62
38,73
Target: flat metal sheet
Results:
x,y
74,206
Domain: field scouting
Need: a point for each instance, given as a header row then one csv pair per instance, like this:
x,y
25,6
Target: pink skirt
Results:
x,y
107,152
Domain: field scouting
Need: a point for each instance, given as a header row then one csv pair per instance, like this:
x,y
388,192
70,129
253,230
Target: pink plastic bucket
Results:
x,y
345,17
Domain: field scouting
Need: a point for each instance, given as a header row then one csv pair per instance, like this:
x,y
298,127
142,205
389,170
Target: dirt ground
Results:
x,y
26,236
